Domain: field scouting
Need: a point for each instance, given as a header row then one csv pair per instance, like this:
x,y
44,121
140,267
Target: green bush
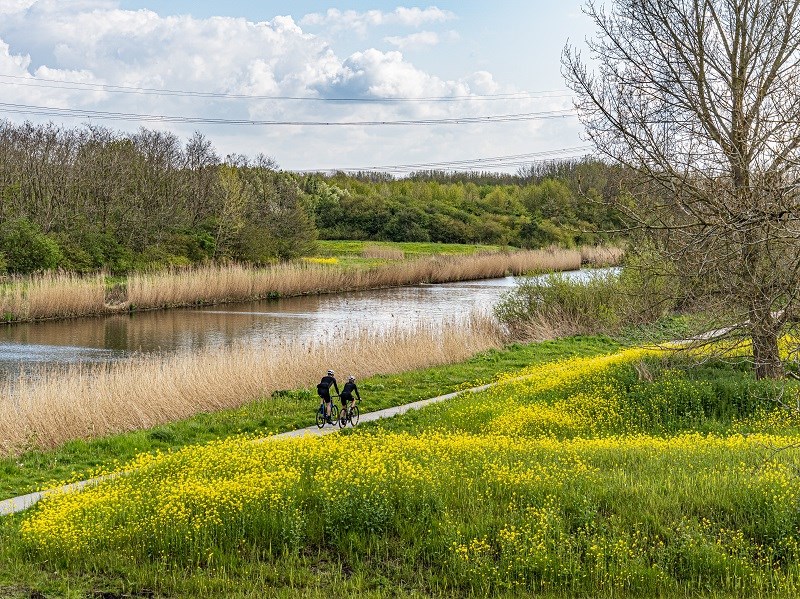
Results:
x,y
157,257
649,285
195,245
592,305
90,251
638,294
27,249
255,245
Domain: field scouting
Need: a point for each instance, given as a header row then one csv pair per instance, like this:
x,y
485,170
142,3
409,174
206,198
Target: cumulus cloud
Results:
x,y
108,59
385,74
360,22
420,39
416,17
143,49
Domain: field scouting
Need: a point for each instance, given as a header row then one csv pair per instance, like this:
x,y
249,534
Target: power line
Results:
x,y
471,163
122,89
128,116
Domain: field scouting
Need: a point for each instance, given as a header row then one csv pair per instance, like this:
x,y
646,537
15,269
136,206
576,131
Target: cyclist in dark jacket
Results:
x,y
324,391
347,393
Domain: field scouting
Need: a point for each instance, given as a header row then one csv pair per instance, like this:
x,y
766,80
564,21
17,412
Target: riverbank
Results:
x,y
46,409
64,295
604,473
290,406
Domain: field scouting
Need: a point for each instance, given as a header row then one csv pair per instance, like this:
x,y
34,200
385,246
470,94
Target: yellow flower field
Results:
x,y
570,477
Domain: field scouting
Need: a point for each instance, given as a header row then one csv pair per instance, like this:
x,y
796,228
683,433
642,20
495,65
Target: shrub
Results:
x,y
554,305
87,251
640,293
27,249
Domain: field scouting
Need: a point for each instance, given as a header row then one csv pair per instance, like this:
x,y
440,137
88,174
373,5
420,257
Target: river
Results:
x,y
30,346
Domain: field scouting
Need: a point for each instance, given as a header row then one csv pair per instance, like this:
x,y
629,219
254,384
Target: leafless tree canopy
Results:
x,y
702,99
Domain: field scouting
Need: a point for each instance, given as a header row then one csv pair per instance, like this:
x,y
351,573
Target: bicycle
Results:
x,y
322,418
350,414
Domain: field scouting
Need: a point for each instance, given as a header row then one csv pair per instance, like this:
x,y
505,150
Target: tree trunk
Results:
x,y
766,356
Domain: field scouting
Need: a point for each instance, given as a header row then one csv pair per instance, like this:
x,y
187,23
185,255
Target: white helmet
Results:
x,y
351,378
330,373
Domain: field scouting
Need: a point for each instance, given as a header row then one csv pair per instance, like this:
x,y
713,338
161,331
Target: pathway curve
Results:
x,y
18,504
23,502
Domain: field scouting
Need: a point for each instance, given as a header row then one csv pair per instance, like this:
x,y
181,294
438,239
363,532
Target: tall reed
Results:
x,y
48,408
601,255
52,295
217,284
61,295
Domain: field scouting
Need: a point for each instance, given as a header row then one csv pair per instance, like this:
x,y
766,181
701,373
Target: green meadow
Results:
x,y
589,469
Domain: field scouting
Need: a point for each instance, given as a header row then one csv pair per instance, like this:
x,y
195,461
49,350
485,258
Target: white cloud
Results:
x,y
16,65
416,17
386,74
359,22
95,43
414,40
8,7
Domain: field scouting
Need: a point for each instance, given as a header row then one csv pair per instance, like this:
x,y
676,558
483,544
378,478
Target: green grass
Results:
x,y
648,497
634,488
286,410
412,249
349,253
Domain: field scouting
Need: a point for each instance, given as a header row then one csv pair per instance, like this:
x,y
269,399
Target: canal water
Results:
x,y
30,346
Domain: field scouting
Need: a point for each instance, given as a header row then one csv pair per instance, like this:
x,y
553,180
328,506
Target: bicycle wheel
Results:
x,y
334,413
320,417
354,414
343,419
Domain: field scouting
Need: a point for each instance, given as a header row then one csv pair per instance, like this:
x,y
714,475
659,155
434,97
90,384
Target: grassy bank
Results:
x,y
67,295
284,409
618,476
370,251
46,409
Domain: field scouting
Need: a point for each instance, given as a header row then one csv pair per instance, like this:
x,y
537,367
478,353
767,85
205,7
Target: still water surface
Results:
x,y
29,346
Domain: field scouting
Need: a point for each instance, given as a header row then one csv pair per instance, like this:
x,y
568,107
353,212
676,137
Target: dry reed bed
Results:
x,y
601,255
52,295
48,409
217,284
65,295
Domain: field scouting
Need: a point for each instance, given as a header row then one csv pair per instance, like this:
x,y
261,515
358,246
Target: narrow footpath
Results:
x,y
18,504
23,502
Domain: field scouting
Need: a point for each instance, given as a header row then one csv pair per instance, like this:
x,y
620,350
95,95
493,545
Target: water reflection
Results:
x,y
323,317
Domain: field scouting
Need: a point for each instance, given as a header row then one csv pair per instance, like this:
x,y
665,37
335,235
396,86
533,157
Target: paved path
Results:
x,y
18,504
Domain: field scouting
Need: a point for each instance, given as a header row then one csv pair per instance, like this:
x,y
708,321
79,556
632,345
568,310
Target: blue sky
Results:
x,y
463,55
518,40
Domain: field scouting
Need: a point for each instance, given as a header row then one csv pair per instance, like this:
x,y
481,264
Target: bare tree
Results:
x,y
201,166
702,99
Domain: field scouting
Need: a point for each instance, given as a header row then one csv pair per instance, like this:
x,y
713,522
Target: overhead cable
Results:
x,y
471,163
129,116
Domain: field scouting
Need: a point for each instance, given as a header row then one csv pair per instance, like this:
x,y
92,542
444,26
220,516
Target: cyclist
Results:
x,y
324,391
347,394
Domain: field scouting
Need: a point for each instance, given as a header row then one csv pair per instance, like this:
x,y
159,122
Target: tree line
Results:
x,y
90,198
567,203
